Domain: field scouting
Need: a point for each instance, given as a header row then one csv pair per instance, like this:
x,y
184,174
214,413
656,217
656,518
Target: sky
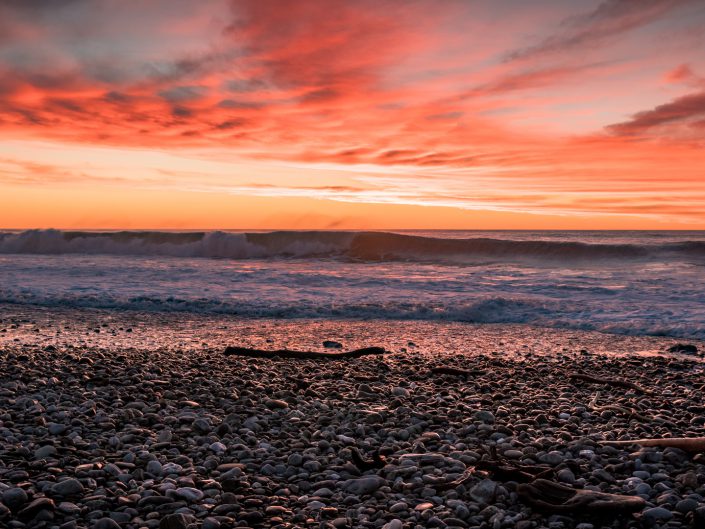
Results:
x,y
352,114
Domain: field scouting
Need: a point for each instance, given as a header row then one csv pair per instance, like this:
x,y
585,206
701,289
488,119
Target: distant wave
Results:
x,y
358,246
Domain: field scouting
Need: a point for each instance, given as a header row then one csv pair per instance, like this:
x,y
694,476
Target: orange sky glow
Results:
x,y
342,114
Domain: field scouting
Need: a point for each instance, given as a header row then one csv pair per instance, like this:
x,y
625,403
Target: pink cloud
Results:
x,y
422,85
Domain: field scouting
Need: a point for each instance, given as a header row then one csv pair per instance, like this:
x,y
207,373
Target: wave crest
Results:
x,y
358,246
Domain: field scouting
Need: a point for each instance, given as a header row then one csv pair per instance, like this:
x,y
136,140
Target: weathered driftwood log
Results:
x,y
505,471
687,444
302,355
455,371
610,382
556,497
377,461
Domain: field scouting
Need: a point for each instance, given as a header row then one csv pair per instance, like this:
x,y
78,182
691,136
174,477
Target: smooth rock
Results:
x,y
485,416
656,515
106,523
154,467
484,492
44,452
364,485
175,521
14,498
40,504
189,494
275,404
68,487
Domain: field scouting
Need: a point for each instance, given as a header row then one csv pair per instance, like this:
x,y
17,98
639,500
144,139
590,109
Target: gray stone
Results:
x,y
210,523
175,521
324,492
154,467
164,436
484,492
106,523
687,505
485,416
202,425
566,476
68,487
172,468
44,451
14,498
363,485
552,458
218,447
513,454
68,508
120,517
56,429
295,460
189,494
656,515
400,392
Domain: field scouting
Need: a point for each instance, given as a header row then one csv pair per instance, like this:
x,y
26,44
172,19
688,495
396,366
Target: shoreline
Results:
x,y
34,325
93,429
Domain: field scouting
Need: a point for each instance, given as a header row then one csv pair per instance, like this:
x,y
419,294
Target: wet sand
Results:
x,y
118,419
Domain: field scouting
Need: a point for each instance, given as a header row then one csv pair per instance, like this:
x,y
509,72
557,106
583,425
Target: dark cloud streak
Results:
x,y
679,111
610,19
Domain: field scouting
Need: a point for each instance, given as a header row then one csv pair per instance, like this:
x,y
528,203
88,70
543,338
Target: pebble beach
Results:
x,y
135,420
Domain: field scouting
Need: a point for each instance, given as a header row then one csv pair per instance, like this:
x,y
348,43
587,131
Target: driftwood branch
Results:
x,y
558,498
466,476
504,471
687,444
610,382
302,355
629,412
377,461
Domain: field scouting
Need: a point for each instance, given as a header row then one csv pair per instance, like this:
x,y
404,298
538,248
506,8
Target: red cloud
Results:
x,y
386,82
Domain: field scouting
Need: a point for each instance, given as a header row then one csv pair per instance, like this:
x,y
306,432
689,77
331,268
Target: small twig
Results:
x,y
610,382
593,401
466,476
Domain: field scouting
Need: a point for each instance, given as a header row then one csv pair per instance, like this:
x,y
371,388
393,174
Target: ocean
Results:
x,y
632,283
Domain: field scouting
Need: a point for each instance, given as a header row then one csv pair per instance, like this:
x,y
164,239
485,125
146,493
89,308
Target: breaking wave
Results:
x,y
357,246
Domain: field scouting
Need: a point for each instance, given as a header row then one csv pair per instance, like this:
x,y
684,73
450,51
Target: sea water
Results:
x,y
637,283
